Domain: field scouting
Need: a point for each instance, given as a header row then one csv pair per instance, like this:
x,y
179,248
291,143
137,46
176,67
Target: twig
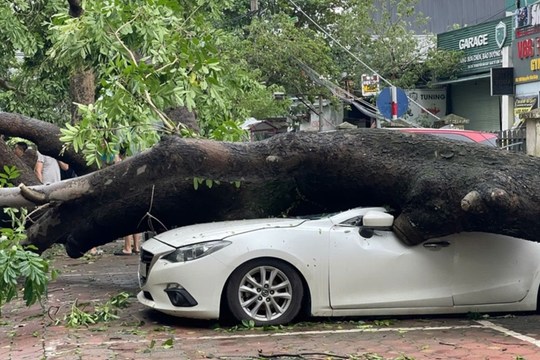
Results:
x,y
302,355
36,210
8,87
162,68
449,344
56,312
124,25
192,13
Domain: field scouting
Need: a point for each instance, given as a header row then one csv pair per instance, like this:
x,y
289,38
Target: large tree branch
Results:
x,y
46,136
438,186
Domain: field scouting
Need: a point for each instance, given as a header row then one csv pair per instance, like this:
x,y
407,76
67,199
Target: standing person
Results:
x,y
129,240
47,169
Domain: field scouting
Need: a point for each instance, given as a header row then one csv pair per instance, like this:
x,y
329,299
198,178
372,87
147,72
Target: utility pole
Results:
x,y
320,113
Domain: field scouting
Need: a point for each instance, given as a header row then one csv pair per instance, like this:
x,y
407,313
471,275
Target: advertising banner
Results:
x,y
524,104
526,56
370,85
432,99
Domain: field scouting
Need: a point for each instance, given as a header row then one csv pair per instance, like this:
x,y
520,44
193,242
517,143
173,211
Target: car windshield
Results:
x,y
317,216
355,221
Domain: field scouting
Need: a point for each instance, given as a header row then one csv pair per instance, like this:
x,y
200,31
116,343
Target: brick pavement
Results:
x,y
31,333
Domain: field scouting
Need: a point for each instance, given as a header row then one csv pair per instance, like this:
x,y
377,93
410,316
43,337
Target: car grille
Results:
x,y
146,262
146,257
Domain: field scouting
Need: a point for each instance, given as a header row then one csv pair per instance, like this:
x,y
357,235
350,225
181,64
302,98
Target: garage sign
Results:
x,y
481,45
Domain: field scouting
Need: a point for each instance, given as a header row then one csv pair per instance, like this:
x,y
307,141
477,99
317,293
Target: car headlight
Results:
x,y
196,251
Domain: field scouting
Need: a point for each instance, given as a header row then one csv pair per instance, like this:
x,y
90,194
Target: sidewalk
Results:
x,y
140,333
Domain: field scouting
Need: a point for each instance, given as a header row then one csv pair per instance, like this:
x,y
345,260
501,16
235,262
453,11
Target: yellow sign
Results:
x,y
524,104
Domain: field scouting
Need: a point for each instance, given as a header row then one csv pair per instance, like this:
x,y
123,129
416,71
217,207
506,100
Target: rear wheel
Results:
x,y
267,291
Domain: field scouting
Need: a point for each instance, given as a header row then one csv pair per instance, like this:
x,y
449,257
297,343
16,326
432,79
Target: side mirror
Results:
x,y
377,219
366,232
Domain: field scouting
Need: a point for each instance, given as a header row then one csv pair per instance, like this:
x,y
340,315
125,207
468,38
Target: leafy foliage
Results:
x,y
39,86
215,58
274,46
10,173
17,262
377,33
102,313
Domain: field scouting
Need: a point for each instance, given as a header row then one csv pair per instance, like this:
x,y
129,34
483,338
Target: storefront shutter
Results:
x,y
472,100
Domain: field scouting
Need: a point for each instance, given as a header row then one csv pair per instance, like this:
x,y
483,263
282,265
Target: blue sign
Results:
x,y
384,103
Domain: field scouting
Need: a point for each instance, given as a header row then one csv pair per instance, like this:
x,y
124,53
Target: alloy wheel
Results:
x,y
265,293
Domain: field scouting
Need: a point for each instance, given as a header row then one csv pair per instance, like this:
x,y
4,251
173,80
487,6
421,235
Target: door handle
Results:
x,y
436,245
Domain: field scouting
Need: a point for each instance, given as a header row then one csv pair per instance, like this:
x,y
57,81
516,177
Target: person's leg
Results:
x,y
136,245
127,247
127,243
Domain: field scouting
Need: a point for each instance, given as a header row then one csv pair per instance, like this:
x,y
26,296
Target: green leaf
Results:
x,y
168,344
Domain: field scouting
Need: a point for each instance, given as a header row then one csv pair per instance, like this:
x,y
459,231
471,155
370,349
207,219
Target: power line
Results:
x,y
356,58
362,105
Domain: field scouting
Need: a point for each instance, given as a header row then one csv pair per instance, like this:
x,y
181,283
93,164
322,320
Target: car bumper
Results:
x,y
198,284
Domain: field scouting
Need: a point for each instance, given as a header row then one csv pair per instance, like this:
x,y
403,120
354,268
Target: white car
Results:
x,y
350,263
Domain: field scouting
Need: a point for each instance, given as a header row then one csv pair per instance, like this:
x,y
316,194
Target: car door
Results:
x,y
382,272
492,269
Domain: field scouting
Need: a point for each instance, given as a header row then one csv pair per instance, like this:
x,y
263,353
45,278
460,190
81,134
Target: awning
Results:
x,y
463,79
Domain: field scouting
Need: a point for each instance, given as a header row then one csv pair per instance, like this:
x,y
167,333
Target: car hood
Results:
x,y
194,234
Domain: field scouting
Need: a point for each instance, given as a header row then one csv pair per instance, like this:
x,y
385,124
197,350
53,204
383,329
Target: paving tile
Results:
x,y
105,276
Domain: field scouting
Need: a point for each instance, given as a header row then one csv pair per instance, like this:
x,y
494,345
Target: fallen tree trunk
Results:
x,y
438,186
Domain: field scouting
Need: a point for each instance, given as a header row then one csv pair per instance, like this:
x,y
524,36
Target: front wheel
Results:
x,y
267,291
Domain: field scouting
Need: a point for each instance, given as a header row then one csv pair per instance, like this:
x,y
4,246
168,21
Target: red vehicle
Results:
x,y
456,134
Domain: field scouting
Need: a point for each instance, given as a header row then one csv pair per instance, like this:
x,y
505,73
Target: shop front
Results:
x,y
484,46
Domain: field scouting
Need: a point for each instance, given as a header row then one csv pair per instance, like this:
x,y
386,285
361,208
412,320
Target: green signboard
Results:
x,y
481,45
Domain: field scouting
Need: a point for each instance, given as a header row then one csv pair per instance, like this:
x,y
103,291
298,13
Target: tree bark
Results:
x,y
81,91
75,8
181,115
46,136
8,158
437,186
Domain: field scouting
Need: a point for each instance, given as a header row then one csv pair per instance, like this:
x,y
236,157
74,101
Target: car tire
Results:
x,y
275,300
